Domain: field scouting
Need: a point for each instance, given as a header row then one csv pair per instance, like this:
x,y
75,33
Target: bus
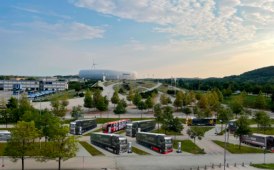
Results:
x,y
115,126
78,127
201,121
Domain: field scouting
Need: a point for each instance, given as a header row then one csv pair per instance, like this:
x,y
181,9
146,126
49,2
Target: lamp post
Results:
x,y
225,146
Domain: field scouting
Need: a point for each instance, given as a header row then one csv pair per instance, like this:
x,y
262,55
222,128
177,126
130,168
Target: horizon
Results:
x,y
168,38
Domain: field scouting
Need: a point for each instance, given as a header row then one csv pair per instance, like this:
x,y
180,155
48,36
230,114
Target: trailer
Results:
x,y
114,142
259,140
115,126
78,127
201,121
158,142
144,125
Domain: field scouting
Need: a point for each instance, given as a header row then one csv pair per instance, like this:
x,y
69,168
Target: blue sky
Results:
x,y
155,38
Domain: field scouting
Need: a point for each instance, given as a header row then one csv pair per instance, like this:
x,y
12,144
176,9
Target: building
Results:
x,y
33,85
107,75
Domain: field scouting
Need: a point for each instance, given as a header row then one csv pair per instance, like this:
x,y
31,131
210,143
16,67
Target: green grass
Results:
x,y
188,146
269,131
232,148
93,151
120,131
204,128
2,149
59,96
139,151
166,132
263,166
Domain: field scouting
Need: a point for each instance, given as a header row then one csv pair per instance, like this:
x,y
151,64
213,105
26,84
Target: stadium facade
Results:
x,y
107,75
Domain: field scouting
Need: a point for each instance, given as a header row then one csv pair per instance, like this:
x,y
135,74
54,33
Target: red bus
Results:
x,y
115,125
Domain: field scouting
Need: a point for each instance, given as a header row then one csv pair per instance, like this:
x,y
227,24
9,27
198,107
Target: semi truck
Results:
x,y
259,140
201,122
78,127
158,142
114,142
115,126
144,125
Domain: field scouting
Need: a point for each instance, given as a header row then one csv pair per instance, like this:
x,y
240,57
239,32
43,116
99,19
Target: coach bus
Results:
x,y
115,126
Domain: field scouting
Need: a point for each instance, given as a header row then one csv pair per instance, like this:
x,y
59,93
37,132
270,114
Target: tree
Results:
x,y
58,108
102,103
88,100
120,108
115,98
224,115
263,120
158,114
4,112
242,128
260,101
178,102
137,98
142,106
195,132
77,112
187,111
12,103
203,102
149,102
130,95
22,142
169,122
236,105
164,99
61,146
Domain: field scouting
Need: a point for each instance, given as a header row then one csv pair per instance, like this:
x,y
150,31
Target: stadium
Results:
x,y
107,75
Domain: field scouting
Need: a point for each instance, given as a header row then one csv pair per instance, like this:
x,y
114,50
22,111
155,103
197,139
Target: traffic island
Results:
x,y
233,148
92,150
139,151
263,166
188,146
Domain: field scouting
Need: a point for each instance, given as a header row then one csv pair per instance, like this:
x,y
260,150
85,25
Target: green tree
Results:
x,y
158,114
4,112
88,100
120,108
263,120
149,102
22,142
102,103
187,111
61,146
203,102
77,112
12,103
169,122
130,95
195,132
224,115
260,101
58,108
142,106
164,99
178,102
242,128
115,98
236,105
137,99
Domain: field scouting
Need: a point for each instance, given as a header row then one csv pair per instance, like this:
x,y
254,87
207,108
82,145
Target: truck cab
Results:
x,y
168,145
129,129
123,144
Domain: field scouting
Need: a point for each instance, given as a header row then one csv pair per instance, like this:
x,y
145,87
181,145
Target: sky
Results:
x,y
155,38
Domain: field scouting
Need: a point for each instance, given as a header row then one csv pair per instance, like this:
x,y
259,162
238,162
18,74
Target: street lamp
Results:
x,y
225,145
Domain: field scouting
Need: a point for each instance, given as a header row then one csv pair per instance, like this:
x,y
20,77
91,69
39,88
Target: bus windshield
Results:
x,y
168,141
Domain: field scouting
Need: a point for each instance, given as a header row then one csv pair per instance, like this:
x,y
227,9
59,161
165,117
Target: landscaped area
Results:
x,y
188,146
139,151
232,148
92,150
263,166
2,149
269,131
166,132
204,128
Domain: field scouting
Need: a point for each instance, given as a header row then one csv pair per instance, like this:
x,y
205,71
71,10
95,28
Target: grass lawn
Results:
x,y
166,132
269,131
204,128
93,151
59,96
263,166
139,151
2,149
188,146
120,131
232,148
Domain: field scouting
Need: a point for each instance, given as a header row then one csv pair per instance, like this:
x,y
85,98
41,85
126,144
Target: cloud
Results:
x,y
66,31
214,20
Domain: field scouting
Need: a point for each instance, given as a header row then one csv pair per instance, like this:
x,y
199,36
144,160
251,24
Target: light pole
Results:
x,y
225,146
265,147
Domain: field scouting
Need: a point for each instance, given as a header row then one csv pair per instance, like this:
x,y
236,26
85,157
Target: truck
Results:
x,y
5,135
158,142
201,122
114,142
115,126
78,127
144,125
259,140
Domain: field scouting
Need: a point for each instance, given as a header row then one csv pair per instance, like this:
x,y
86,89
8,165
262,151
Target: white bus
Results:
x,y
5,135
